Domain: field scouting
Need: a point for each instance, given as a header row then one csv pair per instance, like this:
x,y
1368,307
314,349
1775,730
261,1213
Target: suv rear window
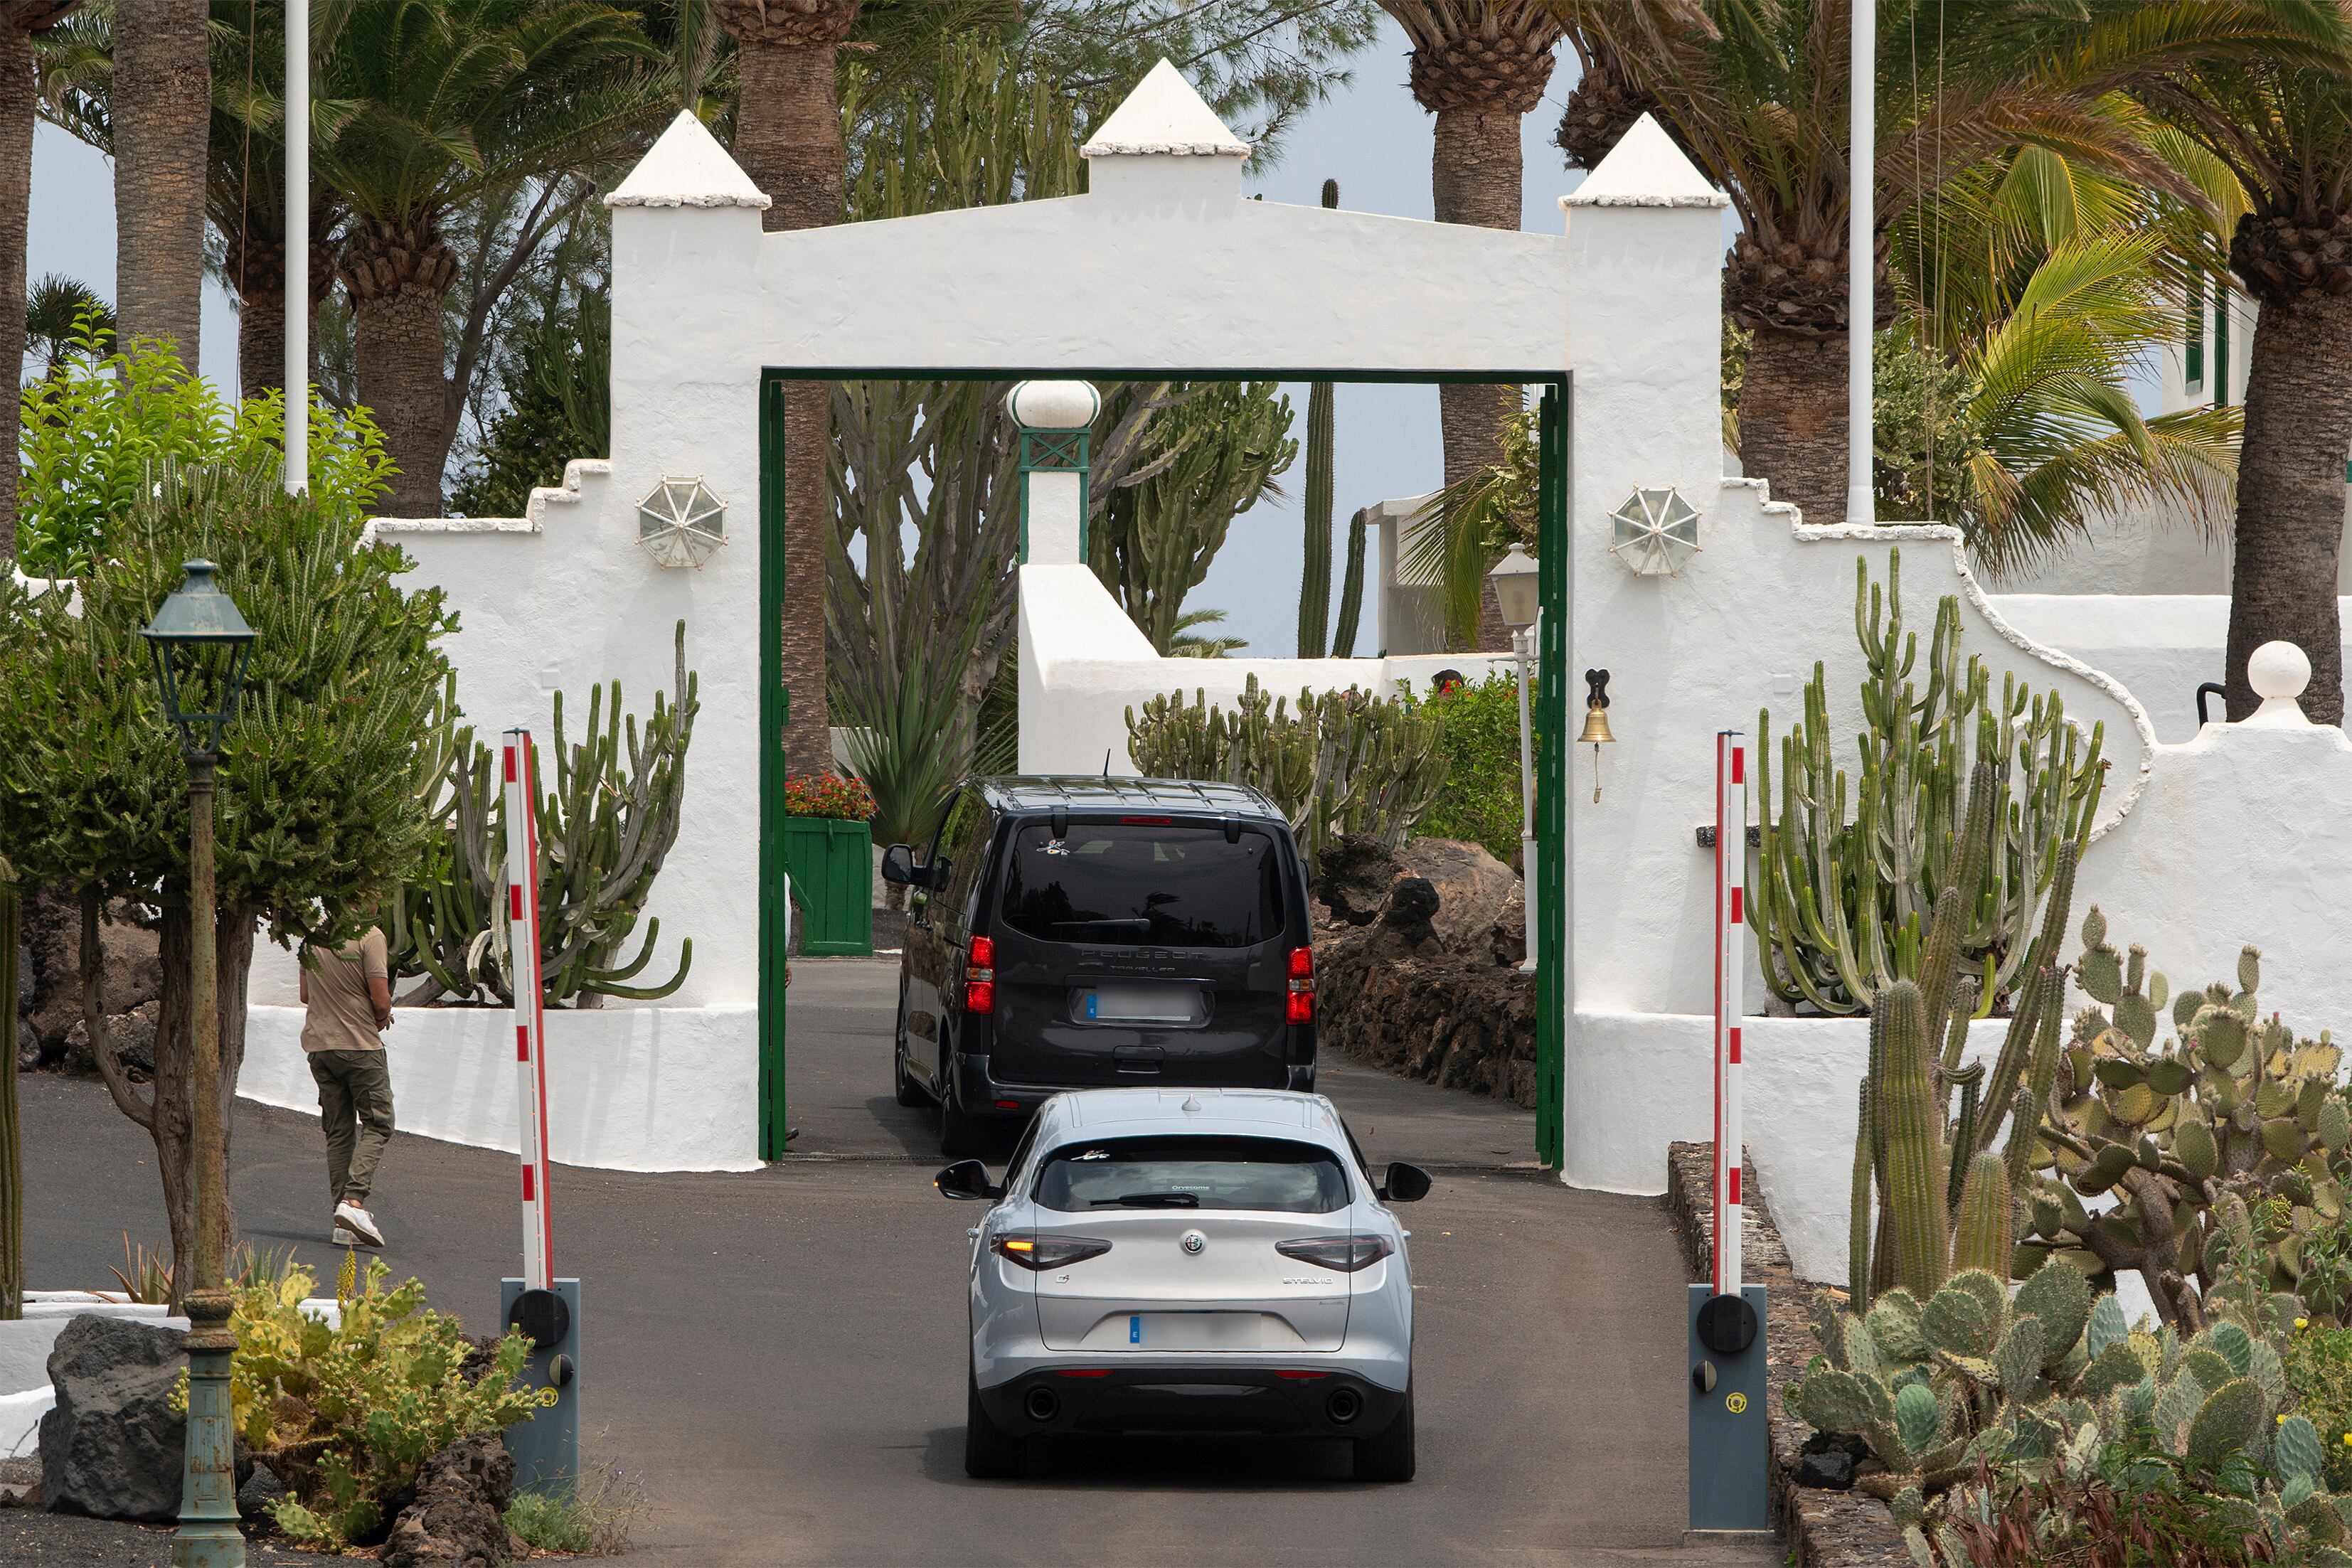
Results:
x,y
1125,885
1193,1172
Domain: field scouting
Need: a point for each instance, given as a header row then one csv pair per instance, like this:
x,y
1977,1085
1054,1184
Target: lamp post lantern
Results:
x,y
199,640
1517,595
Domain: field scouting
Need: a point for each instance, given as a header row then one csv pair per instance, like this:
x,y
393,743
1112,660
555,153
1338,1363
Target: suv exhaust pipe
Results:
x,y
1040,1404
1344,1405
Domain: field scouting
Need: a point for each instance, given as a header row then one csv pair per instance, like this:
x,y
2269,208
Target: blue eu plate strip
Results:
x,y
1093,1003
1135,1331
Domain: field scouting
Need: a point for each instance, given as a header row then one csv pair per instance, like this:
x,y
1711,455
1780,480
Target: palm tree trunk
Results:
x,y
788,139
2290,524
256,270
163,106
1792,420
1476,169
395,277
17,102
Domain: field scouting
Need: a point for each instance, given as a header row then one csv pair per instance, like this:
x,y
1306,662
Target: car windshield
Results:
x,y
1144,885
1193,1172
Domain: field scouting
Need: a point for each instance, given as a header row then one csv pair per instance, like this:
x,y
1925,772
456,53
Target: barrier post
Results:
x,y
1730,1435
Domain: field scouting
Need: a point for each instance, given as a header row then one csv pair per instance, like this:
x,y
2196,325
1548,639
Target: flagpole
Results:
x,y
1862,262
297,246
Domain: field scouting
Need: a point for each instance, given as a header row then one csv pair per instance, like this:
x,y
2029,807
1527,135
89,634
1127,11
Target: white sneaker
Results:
x,y
344,1238
359,1223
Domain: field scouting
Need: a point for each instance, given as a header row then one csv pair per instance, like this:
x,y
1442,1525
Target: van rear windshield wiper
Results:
x,y
1131,923
1150,1200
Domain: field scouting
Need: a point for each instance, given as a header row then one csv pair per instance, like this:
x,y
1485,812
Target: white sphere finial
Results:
x,y
2278,672
1053,405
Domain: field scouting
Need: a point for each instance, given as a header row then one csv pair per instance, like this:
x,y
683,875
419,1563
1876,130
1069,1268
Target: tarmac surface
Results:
x,y
777,1357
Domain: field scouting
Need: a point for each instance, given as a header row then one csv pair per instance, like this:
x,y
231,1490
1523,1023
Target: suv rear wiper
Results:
x,y
1150,1200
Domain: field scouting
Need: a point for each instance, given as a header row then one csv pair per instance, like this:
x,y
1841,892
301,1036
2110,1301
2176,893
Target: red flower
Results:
x,y
828,794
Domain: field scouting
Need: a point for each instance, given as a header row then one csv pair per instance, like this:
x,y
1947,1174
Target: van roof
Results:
x,y
1085,792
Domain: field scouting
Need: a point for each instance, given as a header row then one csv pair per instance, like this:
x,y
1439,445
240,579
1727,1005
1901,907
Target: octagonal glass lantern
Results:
x,y
1655,532
681,523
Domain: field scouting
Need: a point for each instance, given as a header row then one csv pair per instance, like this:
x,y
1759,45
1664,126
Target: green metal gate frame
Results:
x,y
1552,503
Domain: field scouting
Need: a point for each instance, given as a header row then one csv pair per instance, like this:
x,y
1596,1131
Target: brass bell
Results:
x,y
1596,722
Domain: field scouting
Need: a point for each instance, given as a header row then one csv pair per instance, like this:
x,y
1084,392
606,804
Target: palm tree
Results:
x,y
1478,66
162,108
19,102
1756,93
788,139
433,105
53,316
2284,128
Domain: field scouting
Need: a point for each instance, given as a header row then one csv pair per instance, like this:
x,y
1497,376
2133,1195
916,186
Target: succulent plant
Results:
x,y
2169,1144
1843,901
606,822
1345,763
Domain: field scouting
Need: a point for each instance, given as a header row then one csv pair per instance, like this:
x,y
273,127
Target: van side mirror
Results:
x,y
1405,1184
899,865
969,1179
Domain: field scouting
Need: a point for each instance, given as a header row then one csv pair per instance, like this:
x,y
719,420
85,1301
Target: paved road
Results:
x,y
780,1355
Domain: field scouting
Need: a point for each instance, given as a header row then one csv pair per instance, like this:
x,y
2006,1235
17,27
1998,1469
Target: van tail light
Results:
x,y
1298,1006
980,977
1043,1252
1345,1254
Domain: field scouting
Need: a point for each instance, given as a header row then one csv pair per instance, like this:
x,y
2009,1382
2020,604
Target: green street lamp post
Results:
x,y
199,641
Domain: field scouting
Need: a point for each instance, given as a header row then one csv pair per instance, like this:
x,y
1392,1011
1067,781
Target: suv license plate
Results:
x,y
1144,1004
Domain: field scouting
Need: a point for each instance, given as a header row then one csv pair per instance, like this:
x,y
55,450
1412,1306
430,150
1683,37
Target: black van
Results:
x,y
1079,933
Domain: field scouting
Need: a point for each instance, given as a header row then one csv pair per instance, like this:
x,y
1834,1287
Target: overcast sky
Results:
x,y
1372,138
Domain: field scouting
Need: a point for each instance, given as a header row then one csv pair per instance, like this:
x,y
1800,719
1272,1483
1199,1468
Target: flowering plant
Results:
x,y
828,794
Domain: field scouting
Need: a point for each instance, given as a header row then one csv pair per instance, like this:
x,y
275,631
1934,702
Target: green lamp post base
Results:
x,y
208,1536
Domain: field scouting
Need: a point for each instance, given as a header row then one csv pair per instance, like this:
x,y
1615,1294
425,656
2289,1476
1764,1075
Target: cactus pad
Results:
x,y
1918,1419
1834,1401
2236,1345
2108,1325
2296,1450
2059,1295
2225,1422
2019,1358
1958,1324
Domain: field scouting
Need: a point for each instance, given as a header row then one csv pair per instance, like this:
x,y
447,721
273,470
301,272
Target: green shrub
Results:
x,y
346,1415
100,420
2318,1357
593,1522
1479,738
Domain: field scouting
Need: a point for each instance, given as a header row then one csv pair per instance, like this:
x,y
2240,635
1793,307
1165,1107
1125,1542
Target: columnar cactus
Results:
x,y
606,822
1843,899
1346,763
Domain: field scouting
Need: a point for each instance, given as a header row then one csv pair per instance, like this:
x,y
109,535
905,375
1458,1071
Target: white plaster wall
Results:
x,y
632,1089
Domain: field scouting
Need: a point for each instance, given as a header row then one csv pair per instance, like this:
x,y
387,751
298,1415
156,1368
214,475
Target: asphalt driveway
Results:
x,y
779,1355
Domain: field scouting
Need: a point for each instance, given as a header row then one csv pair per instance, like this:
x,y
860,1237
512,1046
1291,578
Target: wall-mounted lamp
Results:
x,y
681,523
1596,721
1655,532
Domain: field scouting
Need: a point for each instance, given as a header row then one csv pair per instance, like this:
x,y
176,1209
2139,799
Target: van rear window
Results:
x,y
1121,885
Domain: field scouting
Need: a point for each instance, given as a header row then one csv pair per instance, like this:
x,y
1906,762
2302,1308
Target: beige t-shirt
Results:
x,y
341,1015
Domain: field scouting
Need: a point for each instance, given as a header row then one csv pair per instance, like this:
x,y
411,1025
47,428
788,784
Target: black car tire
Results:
x,y
962,1137
1387,1455
902,1083
990,1452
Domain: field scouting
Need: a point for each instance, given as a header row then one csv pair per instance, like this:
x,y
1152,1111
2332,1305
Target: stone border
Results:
x,y
1821,1528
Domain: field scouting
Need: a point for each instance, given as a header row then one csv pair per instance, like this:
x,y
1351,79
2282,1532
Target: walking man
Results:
x,y
347,998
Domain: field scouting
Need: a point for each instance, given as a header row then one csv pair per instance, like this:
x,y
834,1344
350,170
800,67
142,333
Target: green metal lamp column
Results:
x,y
1552,943
208,1535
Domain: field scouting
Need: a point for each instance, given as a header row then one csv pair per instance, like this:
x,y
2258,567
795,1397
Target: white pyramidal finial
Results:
x,y
1164,116
1646,169
2278,672
687,168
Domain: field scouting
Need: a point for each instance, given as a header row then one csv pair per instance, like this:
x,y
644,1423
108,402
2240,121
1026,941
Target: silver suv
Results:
x,y
1172,1261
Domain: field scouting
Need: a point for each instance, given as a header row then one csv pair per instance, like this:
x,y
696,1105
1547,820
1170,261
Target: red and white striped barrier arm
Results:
x,y
1730,955
529,1013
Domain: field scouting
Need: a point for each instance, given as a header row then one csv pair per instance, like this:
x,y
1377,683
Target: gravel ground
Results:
x,y
68,1540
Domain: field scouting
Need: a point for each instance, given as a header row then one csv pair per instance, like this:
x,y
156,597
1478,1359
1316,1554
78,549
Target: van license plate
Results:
x,y
1174,1005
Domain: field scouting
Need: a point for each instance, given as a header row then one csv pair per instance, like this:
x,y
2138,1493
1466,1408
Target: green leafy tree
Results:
x,y
100,424
324,778
560,407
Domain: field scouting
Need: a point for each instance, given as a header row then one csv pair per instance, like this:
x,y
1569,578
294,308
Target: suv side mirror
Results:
x,y
1405,1184
898,864
969,1179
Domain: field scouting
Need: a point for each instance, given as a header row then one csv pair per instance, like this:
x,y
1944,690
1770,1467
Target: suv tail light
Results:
x,y
1040,1253
979,976
1298,1006
1345,1254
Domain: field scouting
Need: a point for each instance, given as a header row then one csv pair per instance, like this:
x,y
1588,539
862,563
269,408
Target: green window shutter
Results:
x,y
2193,375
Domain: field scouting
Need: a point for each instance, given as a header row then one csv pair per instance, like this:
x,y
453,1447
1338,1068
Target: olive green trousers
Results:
x,y
355,1108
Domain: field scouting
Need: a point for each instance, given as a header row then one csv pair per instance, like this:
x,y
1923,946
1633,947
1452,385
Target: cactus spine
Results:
x,y
1315,592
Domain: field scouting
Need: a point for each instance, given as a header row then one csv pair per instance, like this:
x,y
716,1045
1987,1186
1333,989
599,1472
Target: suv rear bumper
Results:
x,y
980,1093
1192,1399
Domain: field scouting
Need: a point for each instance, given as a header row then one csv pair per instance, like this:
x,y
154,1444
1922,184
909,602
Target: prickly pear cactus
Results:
x,y
2145,1144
